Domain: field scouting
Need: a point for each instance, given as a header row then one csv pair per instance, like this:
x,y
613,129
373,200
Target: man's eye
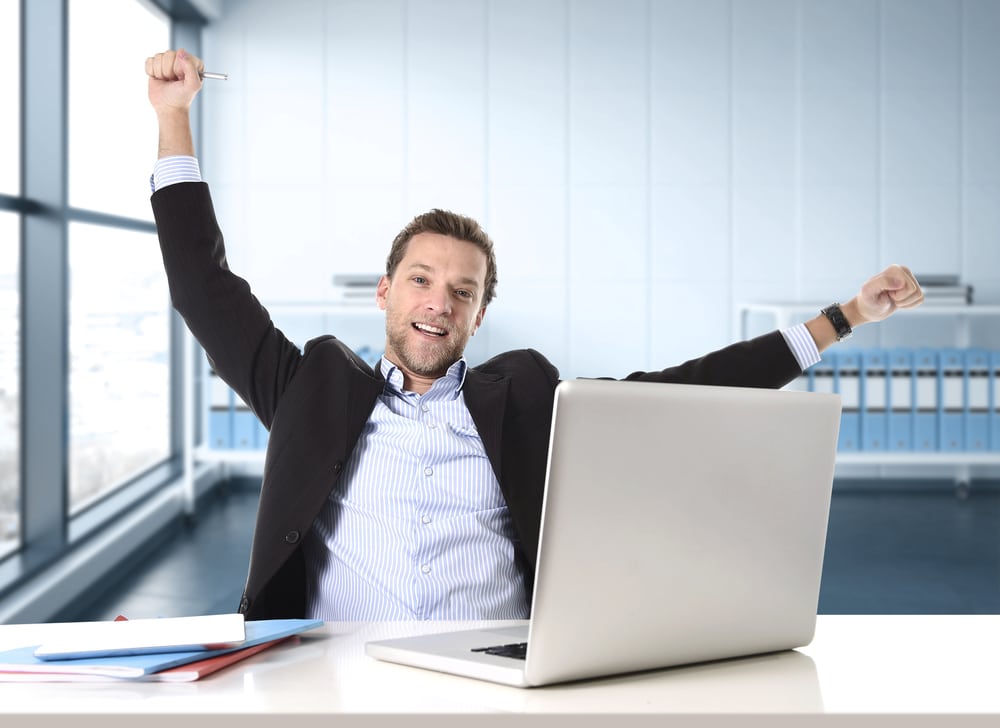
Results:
x,y
419,279
463,294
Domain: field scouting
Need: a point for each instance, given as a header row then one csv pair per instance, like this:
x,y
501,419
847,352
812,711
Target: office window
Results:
x,y
112,129
119,350
9,383
10,78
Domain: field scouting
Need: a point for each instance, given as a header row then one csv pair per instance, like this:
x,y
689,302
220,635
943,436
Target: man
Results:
x,y
413,491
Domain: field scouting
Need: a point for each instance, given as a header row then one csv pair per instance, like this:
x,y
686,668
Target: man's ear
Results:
x,y
381,291
479,320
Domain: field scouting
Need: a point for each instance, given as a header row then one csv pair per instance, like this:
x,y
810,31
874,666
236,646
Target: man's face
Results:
x,y
432,305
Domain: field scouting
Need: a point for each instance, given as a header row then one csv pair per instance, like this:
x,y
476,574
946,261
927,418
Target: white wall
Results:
x,y
643,165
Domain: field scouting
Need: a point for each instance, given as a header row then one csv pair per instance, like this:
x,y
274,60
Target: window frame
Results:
x,y
49,532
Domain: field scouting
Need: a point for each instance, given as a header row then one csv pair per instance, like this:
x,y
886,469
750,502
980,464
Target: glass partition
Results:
x,y
112,129
119,350
10,401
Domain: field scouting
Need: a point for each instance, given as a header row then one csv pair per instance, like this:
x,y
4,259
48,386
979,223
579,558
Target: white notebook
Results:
x,y
146,636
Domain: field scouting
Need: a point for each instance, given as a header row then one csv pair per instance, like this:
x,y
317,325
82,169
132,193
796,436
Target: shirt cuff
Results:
x,y
803,347
171,170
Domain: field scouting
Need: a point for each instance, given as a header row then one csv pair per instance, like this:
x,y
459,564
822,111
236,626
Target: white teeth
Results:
x,y
430,329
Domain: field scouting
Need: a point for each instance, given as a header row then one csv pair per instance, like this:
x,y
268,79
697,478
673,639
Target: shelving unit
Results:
x,y
784,314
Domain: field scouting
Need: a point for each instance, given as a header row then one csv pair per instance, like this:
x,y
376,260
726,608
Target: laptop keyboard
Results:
x,y
517,650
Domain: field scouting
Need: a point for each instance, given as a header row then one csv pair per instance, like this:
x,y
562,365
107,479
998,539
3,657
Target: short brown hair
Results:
x,y
445,222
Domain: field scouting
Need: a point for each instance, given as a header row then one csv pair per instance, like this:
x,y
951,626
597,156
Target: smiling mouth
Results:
x,y
430,330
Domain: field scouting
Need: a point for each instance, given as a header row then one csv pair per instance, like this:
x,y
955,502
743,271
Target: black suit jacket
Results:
x,y
315,403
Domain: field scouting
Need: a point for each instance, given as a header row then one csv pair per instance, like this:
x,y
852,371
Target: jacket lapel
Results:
x,y
486,398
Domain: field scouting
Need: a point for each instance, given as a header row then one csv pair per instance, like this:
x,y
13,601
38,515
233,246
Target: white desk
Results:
x,y
878,667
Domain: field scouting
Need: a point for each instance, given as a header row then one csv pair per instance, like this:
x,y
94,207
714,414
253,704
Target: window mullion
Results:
x,y
44,275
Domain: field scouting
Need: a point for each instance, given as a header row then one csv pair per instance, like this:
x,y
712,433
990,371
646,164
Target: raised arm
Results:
x,y
768,360
236,331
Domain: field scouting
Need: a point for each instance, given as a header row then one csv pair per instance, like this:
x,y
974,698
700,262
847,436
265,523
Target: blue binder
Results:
x,y
874,398
846,382
220,412
951,400
820,374
995,400
925,400
901,398
977,400
220,427
244,428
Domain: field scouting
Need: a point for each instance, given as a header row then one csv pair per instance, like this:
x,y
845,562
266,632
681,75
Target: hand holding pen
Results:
x,y
175,77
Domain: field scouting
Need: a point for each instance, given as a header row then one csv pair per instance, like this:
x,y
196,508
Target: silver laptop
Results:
x,y
681,524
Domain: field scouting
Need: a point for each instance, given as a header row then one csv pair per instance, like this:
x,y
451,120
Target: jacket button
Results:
x,y
244,605
292,537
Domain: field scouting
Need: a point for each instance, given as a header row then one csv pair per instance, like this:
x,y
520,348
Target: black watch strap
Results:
x,y
839,321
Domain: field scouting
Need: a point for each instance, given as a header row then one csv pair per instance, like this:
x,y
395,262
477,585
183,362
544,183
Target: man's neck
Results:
x,y
412,382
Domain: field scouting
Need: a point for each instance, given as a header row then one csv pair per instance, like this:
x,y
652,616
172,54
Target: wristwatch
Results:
x,y
839,321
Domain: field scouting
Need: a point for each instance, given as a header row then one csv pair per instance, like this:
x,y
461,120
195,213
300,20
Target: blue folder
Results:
x,y
820,374
901,388
258,632
874,398
952,396
925,400
220,427
995,400
244,427
220,412
977,400
846,382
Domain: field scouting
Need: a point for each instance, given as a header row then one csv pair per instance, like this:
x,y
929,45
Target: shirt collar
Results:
x,y
451,383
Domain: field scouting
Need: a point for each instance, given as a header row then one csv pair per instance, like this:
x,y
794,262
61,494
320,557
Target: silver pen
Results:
x,y
216,76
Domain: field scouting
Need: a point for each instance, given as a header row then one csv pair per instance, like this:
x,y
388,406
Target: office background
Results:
x,y
645,167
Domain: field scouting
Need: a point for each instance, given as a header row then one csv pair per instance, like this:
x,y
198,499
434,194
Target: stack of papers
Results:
x,y
171,649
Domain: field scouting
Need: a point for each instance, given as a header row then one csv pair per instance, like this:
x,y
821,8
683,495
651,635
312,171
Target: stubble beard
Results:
x,y
431,358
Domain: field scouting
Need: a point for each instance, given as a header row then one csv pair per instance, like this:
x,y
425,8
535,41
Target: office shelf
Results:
x,y
784,314
905,457
206,454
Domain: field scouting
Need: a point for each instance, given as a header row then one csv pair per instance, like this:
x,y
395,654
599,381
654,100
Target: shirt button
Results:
x,y
425,519
425,569
432,425
424,408
428,471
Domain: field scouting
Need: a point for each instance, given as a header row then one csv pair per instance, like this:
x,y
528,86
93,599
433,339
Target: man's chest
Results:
x,y
420,454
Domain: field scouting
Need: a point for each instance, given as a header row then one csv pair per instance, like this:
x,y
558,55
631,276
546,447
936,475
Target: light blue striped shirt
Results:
x,y
416,527
171,170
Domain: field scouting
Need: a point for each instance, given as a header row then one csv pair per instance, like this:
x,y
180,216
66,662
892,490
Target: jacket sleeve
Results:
x,y
236,331
765,362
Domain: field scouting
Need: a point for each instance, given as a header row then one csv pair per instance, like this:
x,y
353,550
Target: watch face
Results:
x,y
839,321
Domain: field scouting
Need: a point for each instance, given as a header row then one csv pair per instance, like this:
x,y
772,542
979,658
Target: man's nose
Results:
x,y
438,301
